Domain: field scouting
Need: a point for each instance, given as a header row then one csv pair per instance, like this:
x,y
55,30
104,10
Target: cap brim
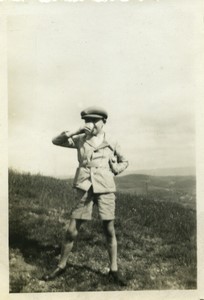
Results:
x,y
92,116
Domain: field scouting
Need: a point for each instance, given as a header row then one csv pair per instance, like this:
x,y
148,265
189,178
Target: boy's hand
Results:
x,y
88,128
114,165
69,134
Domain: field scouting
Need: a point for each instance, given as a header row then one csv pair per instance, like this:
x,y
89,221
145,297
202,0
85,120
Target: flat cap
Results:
x,y
94,112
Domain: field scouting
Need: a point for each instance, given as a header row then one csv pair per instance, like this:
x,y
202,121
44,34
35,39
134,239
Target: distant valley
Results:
x,y
142,184
180,171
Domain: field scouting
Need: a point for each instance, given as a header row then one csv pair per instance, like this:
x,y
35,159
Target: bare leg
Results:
x,y
68,241
67,245
109,230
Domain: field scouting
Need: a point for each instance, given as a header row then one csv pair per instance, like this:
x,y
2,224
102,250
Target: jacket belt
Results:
x,y
89,166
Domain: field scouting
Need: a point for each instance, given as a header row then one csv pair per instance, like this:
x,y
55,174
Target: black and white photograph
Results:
x,y
103,147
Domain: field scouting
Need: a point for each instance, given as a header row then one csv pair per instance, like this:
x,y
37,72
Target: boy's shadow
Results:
x,y
32,250
79,268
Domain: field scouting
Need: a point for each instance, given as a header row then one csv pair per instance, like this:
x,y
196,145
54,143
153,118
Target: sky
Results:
x,y
137,60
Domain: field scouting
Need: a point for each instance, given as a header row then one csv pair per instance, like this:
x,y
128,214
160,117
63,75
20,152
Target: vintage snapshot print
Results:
x,y
104,185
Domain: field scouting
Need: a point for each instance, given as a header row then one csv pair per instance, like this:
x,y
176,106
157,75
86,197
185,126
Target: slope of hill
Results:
x,y
142,183
181,171
156,240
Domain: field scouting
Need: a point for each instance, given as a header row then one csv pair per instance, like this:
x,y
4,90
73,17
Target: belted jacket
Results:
x,y
97,165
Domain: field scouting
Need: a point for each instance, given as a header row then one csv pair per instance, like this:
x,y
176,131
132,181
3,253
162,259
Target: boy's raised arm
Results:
x,y
65,139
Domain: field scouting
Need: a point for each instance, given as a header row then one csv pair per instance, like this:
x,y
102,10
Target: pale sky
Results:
x,y
136,60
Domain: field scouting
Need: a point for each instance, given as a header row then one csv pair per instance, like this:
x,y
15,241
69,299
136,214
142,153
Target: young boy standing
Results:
x,y
99,160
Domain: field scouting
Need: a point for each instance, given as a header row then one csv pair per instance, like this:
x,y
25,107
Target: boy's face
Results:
x,y
93,126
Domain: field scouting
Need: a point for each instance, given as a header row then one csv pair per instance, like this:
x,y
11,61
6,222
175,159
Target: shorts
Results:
x,y
86,199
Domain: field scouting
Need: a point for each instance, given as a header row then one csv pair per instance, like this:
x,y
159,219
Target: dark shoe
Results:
x,y
117,278
57,272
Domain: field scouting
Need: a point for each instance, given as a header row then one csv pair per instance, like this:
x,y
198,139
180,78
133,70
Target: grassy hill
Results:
x,y
156,238
134,181
180,171
180,189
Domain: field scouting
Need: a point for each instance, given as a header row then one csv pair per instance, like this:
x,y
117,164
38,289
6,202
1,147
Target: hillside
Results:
x,y
176,188
156,240
181,171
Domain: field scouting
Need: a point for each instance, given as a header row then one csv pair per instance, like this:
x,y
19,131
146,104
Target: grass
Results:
x,y
156,240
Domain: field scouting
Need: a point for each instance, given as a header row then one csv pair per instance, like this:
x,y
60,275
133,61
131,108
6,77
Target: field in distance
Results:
x,y
179,188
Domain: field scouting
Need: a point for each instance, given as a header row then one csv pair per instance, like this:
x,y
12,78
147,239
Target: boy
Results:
x,y
99,160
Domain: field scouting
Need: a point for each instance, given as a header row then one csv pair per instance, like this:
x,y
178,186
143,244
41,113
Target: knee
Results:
x,y
109,231
71,234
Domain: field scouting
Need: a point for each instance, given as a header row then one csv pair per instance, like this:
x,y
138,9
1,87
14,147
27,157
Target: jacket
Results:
x,y
97,165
